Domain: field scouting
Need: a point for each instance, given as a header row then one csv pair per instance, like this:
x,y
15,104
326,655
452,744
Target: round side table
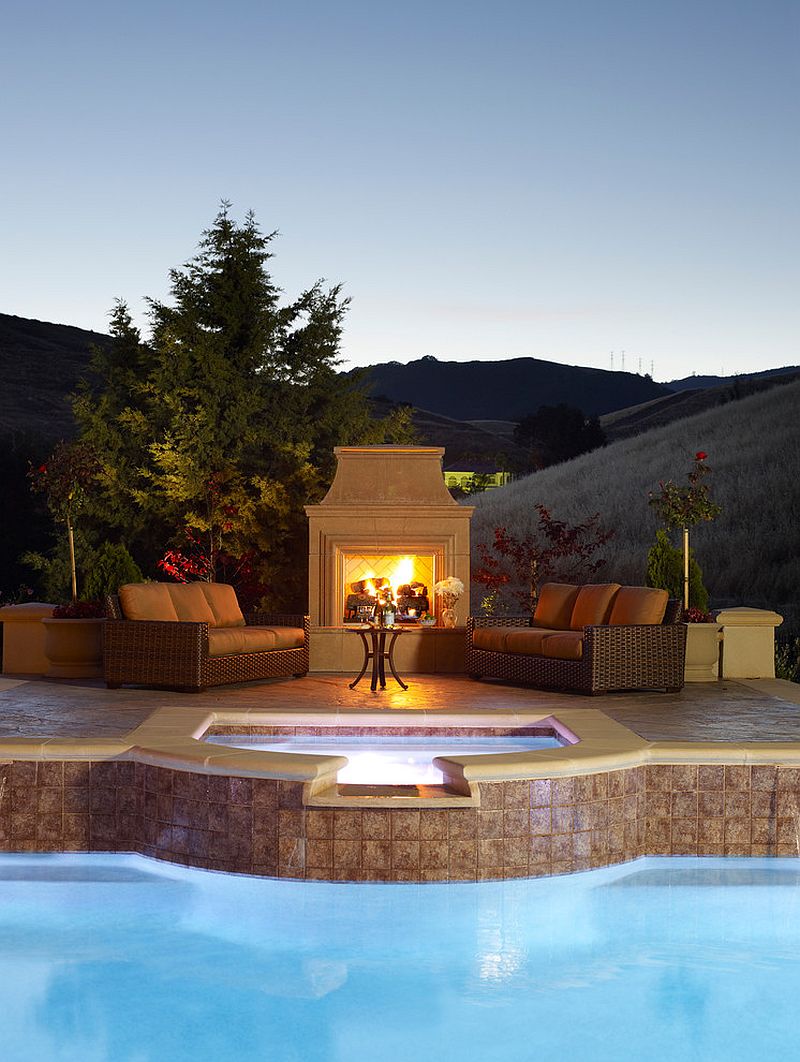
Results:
x,y
376,650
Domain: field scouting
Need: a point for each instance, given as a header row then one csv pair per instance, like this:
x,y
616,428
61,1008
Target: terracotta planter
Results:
x,y
702,652
74,648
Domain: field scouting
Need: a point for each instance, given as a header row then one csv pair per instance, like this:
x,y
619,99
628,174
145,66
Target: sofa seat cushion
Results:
x,y
593,605
147,601
528,640
639,604
490,639
565,645
229,641
555,606
223,603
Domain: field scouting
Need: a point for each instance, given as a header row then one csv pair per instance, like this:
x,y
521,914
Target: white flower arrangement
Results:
x,y
449,588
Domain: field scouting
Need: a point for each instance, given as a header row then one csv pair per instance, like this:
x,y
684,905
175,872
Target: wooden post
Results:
x,y
686,567
71,538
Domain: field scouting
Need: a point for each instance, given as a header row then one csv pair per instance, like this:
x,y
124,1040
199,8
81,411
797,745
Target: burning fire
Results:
x,y
396,587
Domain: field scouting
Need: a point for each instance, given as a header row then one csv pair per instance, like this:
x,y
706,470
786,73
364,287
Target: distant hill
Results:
x,y
748,555
693,382
508,389
40,364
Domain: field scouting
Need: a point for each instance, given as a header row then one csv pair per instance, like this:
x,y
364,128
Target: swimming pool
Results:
x,y
389,759
118,957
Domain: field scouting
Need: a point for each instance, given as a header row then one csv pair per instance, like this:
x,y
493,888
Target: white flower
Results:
x,y
449,587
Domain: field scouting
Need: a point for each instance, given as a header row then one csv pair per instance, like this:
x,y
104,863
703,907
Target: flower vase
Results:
x,y
448,617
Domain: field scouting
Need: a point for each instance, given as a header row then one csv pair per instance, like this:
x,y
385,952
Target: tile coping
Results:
x,y
171,737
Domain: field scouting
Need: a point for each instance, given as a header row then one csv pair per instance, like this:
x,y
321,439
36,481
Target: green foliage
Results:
x,y
112,566
557,433
665,571
53,570
685,506
223,422
787,660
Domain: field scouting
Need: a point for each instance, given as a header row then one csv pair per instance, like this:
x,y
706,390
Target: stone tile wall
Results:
x,y
521,829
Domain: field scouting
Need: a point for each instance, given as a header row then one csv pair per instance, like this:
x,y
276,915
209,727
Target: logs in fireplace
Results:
x,y
409,599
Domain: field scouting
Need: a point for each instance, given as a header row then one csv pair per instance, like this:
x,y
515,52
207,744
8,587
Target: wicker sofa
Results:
x,y
588,639
192,636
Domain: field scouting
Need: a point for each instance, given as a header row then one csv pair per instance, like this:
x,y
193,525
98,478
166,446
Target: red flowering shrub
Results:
x,y
559,548
697,615
80,610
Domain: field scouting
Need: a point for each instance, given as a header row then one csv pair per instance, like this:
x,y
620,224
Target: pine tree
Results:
x,y
224,426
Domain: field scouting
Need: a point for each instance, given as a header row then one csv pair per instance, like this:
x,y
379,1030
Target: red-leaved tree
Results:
x,y
555,550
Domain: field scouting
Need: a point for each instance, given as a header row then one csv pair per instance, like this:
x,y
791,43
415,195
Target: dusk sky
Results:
x,y
556,180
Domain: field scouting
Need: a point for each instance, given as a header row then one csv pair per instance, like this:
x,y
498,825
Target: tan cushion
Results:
x,y
490,639
566,645
593,604
528,640
227,641
555,605
222,601
147,601
639,604
190,603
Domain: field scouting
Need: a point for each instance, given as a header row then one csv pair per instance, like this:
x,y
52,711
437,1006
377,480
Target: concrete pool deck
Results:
x,y
714,769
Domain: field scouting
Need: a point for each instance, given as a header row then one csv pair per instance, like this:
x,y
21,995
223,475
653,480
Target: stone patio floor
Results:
x,y
756,710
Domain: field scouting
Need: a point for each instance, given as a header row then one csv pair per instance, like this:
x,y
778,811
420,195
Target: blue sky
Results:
x,y
556,180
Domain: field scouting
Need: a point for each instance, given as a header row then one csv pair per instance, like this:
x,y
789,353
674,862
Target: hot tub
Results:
x,y
390,758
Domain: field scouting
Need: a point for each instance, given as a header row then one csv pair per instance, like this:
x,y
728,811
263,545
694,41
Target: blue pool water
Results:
x,y
118,958
388,759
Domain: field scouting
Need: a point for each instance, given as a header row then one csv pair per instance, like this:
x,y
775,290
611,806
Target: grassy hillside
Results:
x,y
750,555
40,364
661,411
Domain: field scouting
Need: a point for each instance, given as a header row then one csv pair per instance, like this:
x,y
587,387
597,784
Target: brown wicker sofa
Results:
x,y
191,636
588,639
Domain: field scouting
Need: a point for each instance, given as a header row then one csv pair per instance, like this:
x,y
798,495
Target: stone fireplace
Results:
x,y
387,516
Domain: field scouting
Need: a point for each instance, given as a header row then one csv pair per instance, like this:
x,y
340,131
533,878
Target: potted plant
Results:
x,y
73,638
702,646
677,571
73,641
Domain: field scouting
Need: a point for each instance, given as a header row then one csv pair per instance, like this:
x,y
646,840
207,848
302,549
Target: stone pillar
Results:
x,y
748,642
23,638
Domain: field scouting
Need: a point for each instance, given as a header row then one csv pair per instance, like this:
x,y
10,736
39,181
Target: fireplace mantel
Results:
x,y
385,499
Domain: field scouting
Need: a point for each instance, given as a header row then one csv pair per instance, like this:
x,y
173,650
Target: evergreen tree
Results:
x,y
224,425
558,433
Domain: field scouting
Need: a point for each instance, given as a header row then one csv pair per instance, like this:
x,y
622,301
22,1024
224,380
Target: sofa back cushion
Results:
x,y
190,603
639,604
555,606
147,601
222,601
593,604
211,603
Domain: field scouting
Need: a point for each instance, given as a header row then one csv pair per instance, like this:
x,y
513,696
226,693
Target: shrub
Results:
x,y
787,660
665,571
112,566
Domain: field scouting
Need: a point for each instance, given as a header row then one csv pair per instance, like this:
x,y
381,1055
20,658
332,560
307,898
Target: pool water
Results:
x,y
388,759
119,958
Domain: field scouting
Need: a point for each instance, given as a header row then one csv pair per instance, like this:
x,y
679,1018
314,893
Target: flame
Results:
x,y
403,572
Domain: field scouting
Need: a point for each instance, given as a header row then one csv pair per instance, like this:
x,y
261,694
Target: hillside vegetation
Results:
x,y
750,555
